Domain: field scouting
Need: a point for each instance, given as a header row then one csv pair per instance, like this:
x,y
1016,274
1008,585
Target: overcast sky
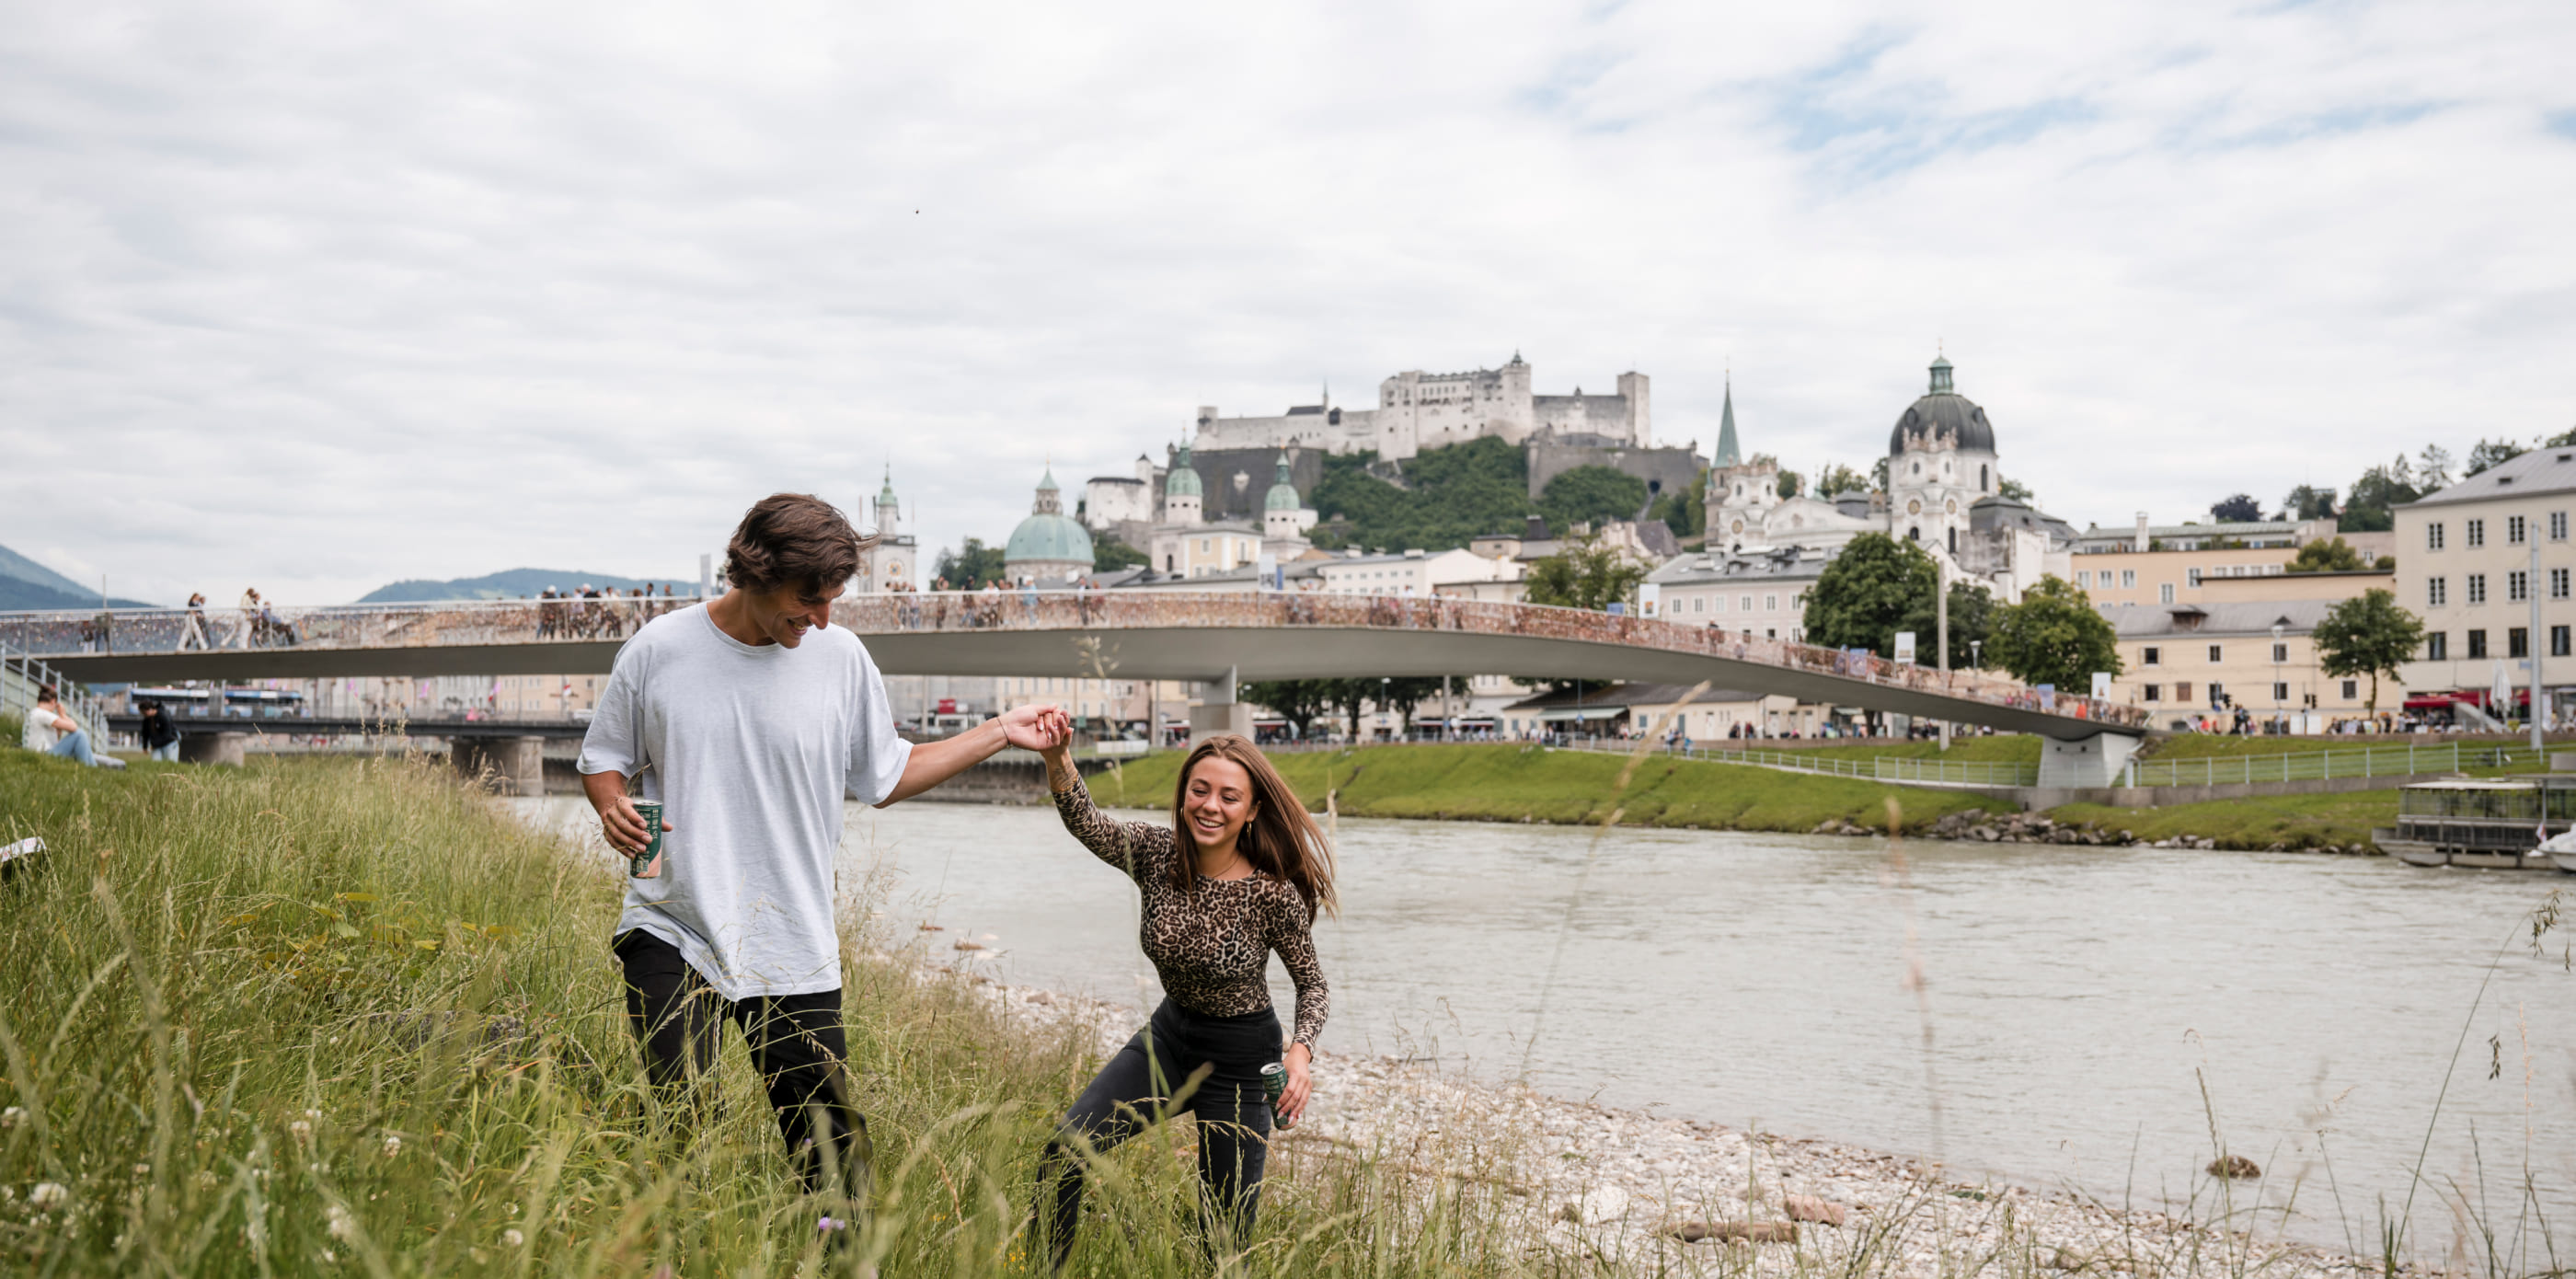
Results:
x,y
317,297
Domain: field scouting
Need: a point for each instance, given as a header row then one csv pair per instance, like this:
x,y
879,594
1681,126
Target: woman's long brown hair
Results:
x,y
1281,840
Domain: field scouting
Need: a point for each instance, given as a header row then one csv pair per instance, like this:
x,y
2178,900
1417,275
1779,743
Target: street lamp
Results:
x,y
1976,655
2278,652
1386,699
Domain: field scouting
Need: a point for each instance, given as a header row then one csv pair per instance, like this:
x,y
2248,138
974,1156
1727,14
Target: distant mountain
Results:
x,y
25,583
514,583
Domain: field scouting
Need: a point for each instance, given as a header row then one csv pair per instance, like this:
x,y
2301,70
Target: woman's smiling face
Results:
x,y
1216,801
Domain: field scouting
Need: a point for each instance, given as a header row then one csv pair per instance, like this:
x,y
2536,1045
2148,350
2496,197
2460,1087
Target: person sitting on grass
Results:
x,y
1238,874
52,729
755,716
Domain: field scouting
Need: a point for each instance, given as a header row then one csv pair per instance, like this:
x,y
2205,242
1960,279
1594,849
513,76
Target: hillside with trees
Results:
x,y
1455,494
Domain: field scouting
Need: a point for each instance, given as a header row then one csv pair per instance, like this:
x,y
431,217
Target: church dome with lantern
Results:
x,y
1049,543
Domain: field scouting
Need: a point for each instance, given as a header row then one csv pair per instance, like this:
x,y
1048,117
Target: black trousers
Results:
x,y
796,1043
1135,1089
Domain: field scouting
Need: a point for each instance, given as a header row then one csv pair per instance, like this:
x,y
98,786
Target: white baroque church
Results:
x,y
1943,492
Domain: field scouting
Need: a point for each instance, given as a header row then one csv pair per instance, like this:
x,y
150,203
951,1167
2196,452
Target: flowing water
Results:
x,y
2086,1017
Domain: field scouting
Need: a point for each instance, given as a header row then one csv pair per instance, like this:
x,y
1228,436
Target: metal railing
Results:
x,y
1833,763
21,675
2300,766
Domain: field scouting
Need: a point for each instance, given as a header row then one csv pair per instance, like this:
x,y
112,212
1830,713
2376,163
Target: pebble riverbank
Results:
x,y
1645,1194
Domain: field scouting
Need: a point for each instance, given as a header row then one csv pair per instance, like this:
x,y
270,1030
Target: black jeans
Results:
x,y
1132,1091
796,1043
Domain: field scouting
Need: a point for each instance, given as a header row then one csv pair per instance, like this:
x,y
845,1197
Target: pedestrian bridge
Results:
x,y
1213,637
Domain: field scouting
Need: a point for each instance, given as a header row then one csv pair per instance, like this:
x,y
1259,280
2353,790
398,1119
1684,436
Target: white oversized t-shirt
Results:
x,y
752,748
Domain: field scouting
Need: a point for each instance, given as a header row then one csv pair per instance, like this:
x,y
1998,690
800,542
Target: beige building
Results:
x,y
2161,565
2474,558
2331,587
2193,660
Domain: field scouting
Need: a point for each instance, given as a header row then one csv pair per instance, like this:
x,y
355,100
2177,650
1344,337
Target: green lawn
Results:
x,y
2292,821
2002,748
2200,745
1530,783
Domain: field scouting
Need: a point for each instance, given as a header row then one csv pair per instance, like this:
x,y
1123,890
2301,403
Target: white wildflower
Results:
x,y
13,1116
343,1226
142,1170
303,1131
48,1195
329,1256
393,1145
511,1238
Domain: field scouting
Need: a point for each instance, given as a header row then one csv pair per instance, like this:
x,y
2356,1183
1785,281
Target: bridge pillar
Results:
x,y
225,747
516,765
1219,713
2094,761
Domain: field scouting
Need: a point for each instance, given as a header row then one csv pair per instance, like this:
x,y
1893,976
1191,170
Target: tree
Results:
x,y
2489,454
2560,440
1869,593
972,567
2237,508
2433,468
1838,478
1972,609
1300,701
1585,574
1591,495
1790,483
2369,634
2308,502
1878,476
1108,553
2370,506
2334,556
1403,693
2016,490
2054,636
1685,513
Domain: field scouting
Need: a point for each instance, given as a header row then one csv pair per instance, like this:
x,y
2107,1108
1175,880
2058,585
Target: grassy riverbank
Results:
x,y
1513,783
341,1016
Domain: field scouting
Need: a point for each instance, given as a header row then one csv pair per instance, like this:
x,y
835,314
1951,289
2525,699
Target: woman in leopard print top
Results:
x,y
1238,874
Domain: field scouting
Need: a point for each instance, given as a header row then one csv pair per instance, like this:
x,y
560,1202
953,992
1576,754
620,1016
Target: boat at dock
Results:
x,y
2486,824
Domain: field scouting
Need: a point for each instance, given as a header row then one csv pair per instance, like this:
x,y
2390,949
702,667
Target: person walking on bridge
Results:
x,y
755,716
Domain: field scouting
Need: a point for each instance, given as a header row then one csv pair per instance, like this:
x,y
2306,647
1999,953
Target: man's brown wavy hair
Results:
x,y
794,539
1281,840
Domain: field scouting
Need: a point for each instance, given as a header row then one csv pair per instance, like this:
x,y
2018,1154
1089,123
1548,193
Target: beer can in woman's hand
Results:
x,y
646,862
1274,1082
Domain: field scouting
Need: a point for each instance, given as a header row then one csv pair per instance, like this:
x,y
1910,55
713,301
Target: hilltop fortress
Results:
x,y
1419,411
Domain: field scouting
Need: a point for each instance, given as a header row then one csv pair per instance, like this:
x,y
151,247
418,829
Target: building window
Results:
x,y
1744,605
2477,534
1699,603
2517,586
2351,689
2558,583
1770,603
2280,693
2477,644
2213,653
2217,694
2084,581
2128,579
2191,578
2164,593
2477,588
2558,641
2513,530
2151,656
2433,536
2558,526
2437,591
2280,653
2437,646
2182,692
2517,641
2152,692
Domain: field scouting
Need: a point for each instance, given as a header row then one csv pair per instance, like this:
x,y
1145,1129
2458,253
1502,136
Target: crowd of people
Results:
x,y
599,613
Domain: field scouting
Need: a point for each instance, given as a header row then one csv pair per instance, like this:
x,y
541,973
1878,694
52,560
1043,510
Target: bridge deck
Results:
x,y
1161,635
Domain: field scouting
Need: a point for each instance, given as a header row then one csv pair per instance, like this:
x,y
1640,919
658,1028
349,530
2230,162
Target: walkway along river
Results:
x,y
2079,999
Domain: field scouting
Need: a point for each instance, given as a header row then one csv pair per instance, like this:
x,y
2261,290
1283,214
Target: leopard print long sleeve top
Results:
x,y
1211,945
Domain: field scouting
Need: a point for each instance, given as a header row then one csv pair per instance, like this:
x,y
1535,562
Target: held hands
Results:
x,y
1044,729
1292,1099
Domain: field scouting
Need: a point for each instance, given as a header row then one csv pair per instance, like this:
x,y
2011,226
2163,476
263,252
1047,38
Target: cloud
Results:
x,y
318,300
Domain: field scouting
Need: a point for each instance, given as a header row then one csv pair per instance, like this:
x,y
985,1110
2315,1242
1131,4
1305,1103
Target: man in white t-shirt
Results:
x,y
52,729
749,718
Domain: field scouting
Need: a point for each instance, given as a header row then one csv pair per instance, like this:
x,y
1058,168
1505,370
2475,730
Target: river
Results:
x,y
2086,1016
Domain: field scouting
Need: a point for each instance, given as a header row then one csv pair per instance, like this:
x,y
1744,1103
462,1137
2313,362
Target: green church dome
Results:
x,y
1048,535
1182,482
1283,495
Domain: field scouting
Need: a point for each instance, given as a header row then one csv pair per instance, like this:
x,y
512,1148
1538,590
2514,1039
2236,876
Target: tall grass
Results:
x,y
343,1017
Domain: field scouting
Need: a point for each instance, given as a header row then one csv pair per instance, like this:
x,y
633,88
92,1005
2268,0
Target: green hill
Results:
x,y
1453,494
27,584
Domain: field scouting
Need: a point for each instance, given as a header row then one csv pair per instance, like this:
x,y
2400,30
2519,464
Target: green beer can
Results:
x,y
1274,1083
646,864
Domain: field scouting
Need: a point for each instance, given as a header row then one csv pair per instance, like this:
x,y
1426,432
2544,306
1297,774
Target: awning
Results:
x,y
1564,714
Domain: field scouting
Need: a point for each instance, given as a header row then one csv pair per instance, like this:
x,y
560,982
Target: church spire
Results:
x,y
1728,454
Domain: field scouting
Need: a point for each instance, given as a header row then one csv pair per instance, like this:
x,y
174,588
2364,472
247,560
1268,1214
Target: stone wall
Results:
x,y
1667,470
